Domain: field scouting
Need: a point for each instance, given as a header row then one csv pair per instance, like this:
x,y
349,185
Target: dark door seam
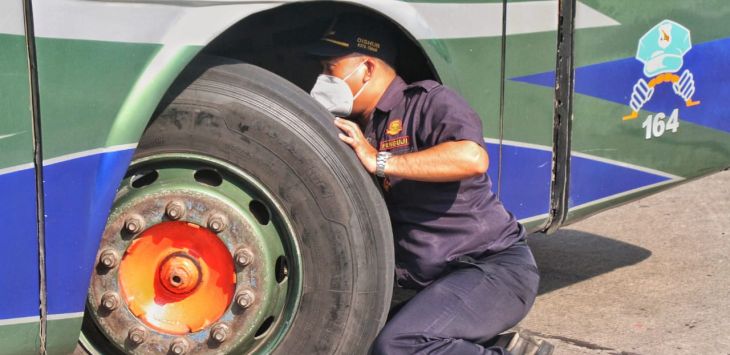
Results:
x,y
38,164
502,70
562,116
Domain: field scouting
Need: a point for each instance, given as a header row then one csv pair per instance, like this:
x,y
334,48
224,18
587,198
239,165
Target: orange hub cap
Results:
x,y
177,277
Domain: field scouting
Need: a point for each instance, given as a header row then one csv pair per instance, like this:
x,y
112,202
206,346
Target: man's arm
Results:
x,y
444,162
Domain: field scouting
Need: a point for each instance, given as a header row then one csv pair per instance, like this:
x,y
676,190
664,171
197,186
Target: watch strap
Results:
x,y
380,160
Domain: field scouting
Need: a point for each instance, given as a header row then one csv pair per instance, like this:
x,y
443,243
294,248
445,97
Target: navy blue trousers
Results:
x,y
466,307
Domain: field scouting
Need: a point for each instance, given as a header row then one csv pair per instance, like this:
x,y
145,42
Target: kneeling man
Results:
x,y
454,240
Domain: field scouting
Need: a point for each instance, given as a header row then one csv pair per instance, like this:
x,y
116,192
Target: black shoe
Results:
x,y
521,344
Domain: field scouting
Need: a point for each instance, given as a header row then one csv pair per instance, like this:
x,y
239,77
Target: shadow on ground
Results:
x,y
570,256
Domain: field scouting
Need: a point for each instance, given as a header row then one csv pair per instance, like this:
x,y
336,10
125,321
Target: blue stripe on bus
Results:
x,y
592,180
525,185
613,81
79,194
19,290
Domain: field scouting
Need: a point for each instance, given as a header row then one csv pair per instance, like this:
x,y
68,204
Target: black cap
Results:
x,y
356,33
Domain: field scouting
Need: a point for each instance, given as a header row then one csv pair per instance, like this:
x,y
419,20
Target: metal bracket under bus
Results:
x,y
562,116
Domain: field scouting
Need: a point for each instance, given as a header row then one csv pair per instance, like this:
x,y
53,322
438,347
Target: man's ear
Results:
x,y
371,64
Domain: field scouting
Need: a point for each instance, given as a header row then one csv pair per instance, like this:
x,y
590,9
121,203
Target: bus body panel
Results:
x,y
20,296
681,131
105,65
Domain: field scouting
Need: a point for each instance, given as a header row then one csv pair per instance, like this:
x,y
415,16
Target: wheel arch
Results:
x,y
172,59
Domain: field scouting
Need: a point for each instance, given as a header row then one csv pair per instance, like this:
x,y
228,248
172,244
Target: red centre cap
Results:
x,y
177,277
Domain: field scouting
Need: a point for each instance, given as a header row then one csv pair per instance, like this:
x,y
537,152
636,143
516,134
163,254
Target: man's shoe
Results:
x,y
521,344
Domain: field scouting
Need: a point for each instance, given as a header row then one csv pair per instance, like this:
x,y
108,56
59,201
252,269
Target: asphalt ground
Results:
x,y
649,277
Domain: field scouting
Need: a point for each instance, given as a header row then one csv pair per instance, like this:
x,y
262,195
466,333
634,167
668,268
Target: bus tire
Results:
x,y
276,134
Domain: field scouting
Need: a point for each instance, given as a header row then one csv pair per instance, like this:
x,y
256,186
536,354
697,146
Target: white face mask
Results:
x,y
334,93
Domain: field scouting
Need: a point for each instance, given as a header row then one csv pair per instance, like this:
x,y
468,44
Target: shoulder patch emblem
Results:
x,y
394,127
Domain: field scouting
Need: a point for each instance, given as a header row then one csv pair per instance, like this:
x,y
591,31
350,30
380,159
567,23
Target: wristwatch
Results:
x,y
380,161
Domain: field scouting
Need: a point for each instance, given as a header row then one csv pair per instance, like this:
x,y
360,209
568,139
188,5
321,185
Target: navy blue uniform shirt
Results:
x,y
435,223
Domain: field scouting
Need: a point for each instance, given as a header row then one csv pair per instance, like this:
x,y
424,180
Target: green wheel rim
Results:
x,y
204,186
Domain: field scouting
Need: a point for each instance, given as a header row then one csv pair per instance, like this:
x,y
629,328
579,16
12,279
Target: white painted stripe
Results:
x,y
68,157
187,22
61,316
455,20
11,135
534,218
174,22
520,144
626,165
86,153
11,17
16,168
618,195
587,156
24,320
588,17
604,199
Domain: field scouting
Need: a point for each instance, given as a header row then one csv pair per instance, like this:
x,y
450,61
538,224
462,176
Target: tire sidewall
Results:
x,y
256,121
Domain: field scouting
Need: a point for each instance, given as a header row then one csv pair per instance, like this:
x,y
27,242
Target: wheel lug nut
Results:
x,y
175,210
137,335
108,258
110,301
217,223
133,224
243,257
245,298
179,346
219,332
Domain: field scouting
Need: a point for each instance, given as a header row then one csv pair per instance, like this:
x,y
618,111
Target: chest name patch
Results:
x,y
395,143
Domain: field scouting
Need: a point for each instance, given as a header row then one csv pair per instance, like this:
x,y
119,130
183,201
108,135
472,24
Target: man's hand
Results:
x,y
354,137
444,162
